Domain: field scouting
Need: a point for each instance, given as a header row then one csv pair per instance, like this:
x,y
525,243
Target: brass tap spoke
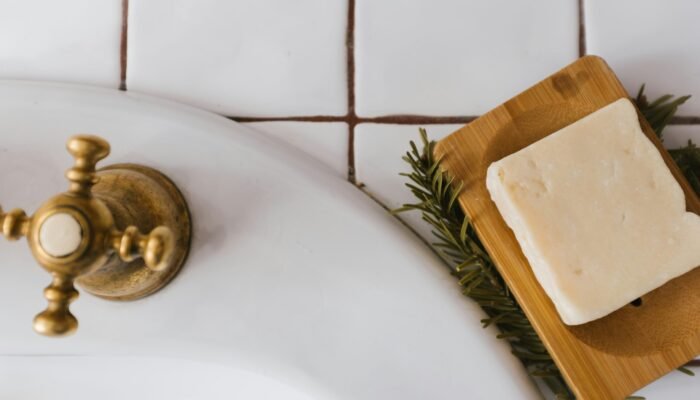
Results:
x,y
87,151
156,248
57,320
14,224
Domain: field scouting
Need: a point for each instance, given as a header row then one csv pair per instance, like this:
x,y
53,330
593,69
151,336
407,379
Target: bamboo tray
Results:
x,y
614,356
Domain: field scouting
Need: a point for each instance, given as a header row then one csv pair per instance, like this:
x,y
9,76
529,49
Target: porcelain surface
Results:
x,y
94,377
326,142
250,58
678,135
649,42
295,277
68,41
444,57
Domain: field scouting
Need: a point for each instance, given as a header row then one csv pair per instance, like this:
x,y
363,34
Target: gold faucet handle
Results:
x,y
76,236
87,150
14,224
57,319
156,248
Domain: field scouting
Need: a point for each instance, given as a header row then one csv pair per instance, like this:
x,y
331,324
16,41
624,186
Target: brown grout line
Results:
x,y
581,29
123,44
352,116
408,119
352,176
681,120
312,118
355,120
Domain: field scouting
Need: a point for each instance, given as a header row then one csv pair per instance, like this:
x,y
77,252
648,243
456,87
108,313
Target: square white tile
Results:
x,y
76,41
678,135
327,142
378,152
445,57
674,385
242,57
652,42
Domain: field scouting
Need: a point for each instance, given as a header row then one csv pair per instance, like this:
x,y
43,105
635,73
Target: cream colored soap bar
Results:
x,y
597,213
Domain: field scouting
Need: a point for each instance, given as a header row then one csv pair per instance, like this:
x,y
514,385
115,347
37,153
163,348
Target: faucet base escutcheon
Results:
x,y
145,198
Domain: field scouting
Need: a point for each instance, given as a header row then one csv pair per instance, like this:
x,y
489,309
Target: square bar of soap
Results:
x,y
597,212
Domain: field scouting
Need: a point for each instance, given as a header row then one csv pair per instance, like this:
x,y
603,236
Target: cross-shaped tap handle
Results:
x,y
74,234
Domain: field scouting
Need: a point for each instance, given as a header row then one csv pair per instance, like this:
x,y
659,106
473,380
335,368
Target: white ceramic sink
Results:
x,y
297,285
117,378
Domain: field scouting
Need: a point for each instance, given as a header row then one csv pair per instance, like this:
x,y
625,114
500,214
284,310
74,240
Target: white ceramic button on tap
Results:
x,y
60,235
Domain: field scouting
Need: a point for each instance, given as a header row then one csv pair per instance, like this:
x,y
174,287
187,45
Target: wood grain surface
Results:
x,y
612,357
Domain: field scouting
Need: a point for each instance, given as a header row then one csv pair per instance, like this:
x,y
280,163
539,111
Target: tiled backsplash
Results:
x,y
258,58
73,41
350,81
328,141
456,57
653,42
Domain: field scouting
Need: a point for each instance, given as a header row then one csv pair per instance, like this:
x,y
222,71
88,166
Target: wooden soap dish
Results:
x,y
614,356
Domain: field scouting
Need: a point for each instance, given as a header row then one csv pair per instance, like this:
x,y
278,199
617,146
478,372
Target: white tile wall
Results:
x,y
678,135
445,57
327,142
651,41
243,58
73,41
675,385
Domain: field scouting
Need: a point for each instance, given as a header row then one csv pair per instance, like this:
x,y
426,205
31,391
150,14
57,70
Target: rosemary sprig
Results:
x,y
688,159
458,244
659,113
